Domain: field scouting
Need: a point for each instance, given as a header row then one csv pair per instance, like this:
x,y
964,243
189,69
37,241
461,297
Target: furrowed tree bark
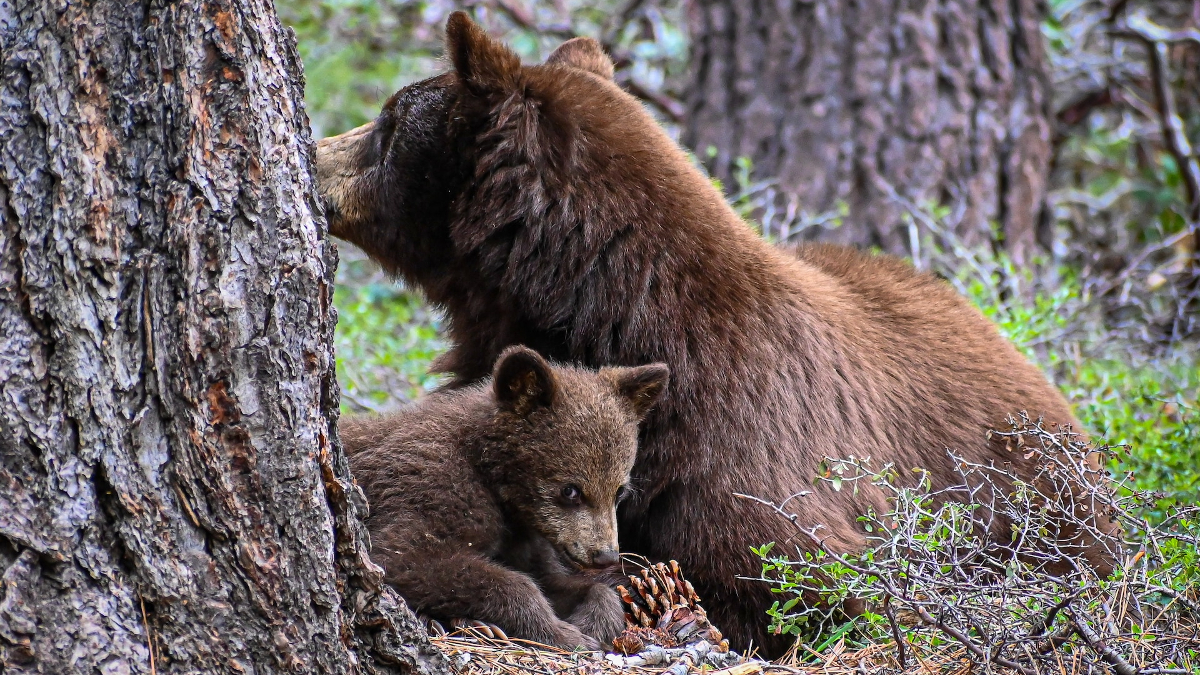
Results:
x,y
173,494
884,106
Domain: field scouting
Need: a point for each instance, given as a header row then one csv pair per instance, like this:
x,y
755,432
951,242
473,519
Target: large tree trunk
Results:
x,y
884,106
173,495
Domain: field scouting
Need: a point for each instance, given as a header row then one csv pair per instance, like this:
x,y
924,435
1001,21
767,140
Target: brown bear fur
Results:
x,y
468,514
542,205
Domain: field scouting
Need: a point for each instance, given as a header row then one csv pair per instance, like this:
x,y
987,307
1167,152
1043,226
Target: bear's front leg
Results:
x,y
600,614
584,598
587,601
472,586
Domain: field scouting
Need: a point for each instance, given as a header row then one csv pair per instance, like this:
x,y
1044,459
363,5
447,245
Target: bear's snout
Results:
x,y
605,558
340,162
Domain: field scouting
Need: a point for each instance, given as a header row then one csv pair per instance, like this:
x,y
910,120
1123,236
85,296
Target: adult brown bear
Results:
x,y
541,205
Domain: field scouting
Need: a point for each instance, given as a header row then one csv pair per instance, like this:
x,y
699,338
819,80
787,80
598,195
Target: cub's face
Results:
x,y
567,442
389,186
578,474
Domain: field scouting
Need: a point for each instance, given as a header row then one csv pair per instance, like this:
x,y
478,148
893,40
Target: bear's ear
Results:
x,y
485,65
583,53
523,381
642,386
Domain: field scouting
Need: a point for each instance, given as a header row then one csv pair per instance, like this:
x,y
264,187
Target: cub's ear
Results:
x,y
583,53
523,381
641,386
484,64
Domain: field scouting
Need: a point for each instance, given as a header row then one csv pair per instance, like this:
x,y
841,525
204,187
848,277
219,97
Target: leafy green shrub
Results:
x,y
386,338
1148,409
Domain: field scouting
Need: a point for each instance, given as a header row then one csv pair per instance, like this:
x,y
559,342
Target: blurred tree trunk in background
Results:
x,y
173,495
886,107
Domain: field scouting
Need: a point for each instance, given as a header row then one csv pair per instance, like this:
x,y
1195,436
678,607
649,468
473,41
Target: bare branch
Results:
x,y
989,563
1096,642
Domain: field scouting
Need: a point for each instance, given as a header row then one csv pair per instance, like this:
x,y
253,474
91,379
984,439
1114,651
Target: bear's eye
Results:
x,y
622,493
571,494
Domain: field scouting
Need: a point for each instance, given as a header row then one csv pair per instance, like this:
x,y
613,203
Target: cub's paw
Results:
x,y
568,636
600,614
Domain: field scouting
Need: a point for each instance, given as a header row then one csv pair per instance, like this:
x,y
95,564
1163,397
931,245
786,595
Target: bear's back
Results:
x,y
942,348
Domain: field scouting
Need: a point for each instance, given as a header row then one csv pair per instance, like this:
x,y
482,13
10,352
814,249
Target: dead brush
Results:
x,y
940,594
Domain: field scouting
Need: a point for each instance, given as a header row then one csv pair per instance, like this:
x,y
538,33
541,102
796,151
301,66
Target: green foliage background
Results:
x,y
1110,183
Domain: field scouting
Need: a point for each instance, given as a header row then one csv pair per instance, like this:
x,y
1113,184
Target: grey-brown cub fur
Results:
x,y
497,502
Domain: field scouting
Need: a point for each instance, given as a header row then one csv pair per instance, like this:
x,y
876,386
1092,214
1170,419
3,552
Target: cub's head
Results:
x,y
561,446
483,151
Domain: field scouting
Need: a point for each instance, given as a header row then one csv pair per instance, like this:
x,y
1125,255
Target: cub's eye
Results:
x,y
571,494
622,493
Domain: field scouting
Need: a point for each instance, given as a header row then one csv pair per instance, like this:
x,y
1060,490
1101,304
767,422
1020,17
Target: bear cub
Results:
x,y
498,502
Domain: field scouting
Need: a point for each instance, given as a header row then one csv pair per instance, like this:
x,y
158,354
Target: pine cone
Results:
x,y
663,609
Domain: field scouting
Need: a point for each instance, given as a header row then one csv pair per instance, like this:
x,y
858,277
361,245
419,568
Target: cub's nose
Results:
x,y
605,558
